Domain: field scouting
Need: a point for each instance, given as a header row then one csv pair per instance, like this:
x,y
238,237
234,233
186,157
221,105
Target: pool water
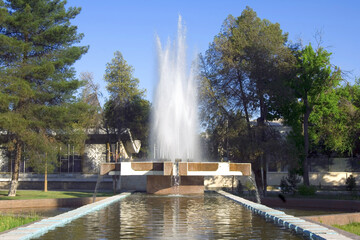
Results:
x,y
141,215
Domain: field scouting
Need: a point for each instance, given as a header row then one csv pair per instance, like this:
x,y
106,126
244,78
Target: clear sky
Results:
x,y
130,26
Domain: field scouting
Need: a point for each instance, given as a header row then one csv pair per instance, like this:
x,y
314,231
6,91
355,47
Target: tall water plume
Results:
x,y
174,119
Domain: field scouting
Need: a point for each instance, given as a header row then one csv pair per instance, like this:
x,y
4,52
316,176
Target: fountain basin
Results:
x,y
185,168
191,174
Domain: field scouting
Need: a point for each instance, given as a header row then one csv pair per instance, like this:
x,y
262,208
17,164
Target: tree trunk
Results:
x,y
265,175
244,99
108,152
262,176
45,177
16,171
305,164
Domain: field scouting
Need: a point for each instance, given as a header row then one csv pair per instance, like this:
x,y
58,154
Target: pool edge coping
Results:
x,y
39,228
306,228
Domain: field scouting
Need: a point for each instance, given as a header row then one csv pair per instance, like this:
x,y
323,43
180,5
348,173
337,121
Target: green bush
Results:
x,y
288,185
239,188
350,183
306,190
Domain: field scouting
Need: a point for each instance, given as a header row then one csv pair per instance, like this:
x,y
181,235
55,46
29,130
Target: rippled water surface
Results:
x,y
140,216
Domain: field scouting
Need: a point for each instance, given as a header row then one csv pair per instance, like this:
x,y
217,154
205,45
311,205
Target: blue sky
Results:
x,y
130,26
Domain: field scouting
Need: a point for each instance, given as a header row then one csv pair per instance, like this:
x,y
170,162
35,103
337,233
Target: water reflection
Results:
x,y
171,217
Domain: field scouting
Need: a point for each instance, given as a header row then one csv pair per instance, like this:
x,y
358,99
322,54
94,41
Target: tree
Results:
x,y
314,78
38,109
134,115
247,62
243,72
126,108
90,95
121,84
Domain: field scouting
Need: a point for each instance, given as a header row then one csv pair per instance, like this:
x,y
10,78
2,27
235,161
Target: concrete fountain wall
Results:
x,y
160,175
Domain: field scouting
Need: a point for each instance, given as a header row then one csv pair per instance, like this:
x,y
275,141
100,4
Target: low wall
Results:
x,y
316,178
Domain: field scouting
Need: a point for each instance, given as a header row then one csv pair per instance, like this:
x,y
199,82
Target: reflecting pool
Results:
x,y
140,216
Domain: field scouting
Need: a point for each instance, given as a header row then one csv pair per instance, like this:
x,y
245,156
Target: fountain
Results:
x,y
174,119
174,133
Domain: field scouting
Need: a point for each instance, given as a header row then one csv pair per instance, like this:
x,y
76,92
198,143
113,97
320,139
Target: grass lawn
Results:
x,y
352,227
7,221
37,194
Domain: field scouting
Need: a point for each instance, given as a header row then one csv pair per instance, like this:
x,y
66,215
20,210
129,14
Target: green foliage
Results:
x,y
314,76
313,83
38,107
289,184
121,84
336,120
241,75
305,190
244,67
350,183
126,108
249,186
134,115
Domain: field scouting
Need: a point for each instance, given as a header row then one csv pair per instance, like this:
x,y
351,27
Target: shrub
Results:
x,y
289,184
350,183
239,188
284,186
306,190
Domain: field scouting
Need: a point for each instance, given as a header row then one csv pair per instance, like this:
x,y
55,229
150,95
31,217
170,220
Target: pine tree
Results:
x,y
126,108
38,109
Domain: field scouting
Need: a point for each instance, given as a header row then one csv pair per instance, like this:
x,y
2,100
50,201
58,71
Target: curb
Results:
x,y
301,226
41,227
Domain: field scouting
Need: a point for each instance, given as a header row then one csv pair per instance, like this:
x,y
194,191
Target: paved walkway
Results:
x,y
41,227
306,228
